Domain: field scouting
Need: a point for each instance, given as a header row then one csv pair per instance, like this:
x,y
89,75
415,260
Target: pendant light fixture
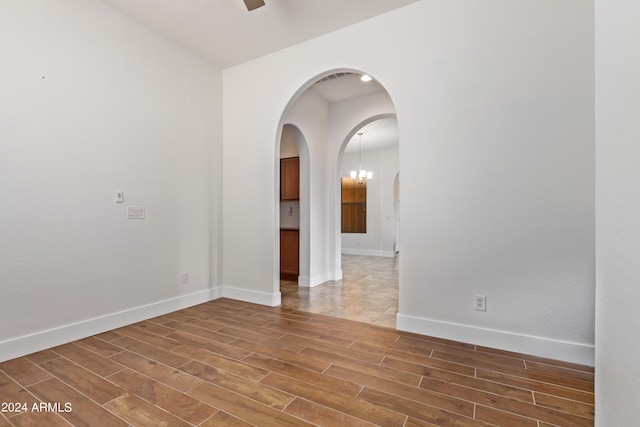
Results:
x,y
361,175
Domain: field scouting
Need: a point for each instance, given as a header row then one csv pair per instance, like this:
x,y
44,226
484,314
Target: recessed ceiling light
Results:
x,y
366,78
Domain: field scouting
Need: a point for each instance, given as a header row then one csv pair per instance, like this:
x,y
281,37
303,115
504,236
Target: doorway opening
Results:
x,y
344,281
294,205
380,156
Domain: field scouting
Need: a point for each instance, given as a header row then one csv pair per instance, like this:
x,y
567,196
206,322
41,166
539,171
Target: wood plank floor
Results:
x,y
230,363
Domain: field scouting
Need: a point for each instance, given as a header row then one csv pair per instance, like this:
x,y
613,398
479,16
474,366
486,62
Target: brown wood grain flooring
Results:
x,y
230,363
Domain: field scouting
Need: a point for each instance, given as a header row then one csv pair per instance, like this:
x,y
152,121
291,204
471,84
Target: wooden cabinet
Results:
x,y
290,178
289,254
289,237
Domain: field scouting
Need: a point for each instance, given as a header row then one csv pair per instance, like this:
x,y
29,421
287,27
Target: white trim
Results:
x,y
583,354
27,344
248,295
319,279
304,281
310,282
368,252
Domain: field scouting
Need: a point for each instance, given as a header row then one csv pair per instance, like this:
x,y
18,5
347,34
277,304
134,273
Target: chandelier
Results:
x,y
361,175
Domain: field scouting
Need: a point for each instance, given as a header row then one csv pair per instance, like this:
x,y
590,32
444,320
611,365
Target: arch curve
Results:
x,y
324,154
359,126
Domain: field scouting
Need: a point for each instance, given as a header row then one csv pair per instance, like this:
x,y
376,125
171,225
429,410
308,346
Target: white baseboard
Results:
x,y
27,344
312,281
304,281
248,295
567,351
368,252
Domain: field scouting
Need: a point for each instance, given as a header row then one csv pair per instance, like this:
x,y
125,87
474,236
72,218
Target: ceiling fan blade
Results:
x,y
253,4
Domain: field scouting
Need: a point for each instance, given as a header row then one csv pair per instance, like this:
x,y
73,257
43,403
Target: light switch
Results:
x,y
118,196
135,212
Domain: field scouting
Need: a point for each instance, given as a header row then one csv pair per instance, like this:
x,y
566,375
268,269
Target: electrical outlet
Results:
x,y
480,303
184,277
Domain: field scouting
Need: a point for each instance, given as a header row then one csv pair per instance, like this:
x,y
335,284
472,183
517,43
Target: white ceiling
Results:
x,y
225,33
345,87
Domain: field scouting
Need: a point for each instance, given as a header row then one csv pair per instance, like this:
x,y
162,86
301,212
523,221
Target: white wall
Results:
x,y
617,212
378,240
91,103
495,109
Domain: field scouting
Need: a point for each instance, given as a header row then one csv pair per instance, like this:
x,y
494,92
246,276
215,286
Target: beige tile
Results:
x,y
368,292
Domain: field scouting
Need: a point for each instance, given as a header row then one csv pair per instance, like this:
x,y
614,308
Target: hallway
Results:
x,y
368,292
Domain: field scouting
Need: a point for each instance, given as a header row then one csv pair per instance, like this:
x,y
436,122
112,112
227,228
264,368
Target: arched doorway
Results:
x,y
373,145
327,121
295,214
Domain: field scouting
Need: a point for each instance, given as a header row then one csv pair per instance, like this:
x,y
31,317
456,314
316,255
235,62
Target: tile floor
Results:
x,y
368,292
231,363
